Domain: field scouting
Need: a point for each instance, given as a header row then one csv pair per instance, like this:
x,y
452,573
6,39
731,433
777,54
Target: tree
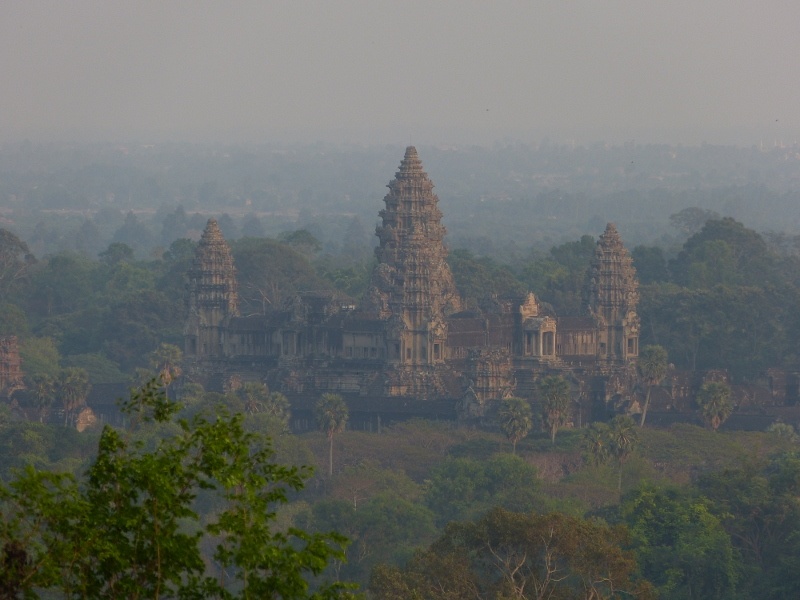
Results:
x,y
276,407
462,488
596,444
681,545
253,396
270,272
691,220
252,226
44,389
554,390
331,416
714,400
73,389
15,260
116,253
515,419
131,528
40,357
166,361
611,442
623,440
479,278
652,367
522,556
650,264
301,240
758,506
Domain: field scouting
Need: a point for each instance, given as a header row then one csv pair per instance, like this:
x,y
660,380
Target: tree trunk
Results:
x,y
646,405
330,455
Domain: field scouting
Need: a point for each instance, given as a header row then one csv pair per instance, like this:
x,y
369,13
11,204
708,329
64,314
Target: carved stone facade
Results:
x,y
212,294
410,339
613,297
412,288
10,366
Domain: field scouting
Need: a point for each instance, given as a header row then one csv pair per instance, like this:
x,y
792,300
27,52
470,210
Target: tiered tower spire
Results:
x,y
212,293
614,297
412,285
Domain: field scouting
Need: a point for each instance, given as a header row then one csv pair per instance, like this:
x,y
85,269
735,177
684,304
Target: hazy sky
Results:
x,y
720,71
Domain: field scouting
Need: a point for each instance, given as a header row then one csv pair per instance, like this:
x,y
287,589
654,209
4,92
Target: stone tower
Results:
x,y
212,294
412,286
10,366
613,298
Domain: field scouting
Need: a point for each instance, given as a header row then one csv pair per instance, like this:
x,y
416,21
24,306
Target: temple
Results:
x,y
409,339
10,366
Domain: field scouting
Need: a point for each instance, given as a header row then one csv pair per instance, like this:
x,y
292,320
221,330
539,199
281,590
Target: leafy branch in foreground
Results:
x,y
132,529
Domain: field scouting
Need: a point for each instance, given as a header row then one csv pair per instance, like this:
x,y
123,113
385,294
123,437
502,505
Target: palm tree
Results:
x,y
554,390
277,407
596,444
515,419
73,388
714,400
623,439
253,396
331,415
44,388
166,361
615,441
652,367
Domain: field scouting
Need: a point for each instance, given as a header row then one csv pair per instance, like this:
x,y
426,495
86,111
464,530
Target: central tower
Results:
x,y
412,286
613,298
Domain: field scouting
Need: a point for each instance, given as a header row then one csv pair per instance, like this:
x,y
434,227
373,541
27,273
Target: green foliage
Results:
x,y
681,546
759,508
613,442
166,362
650,264
13,320
100,368
270,272
479,279
692,219
554,393
73,387
352,279
15,261
723,252
61,285
116,253
40,357
784,431
516,419
560,278
714,400
461,488
131,527
514,555
741,328
331,414
359,483
385,528
302,240
652,368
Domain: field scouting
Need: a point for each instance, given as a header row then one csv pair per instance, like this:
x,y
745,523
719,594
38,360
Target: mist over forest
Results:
x,y
495,200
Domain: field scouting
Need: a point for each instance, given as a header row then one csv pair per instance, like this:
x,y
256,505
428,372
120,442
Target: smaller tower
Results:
x,y
613,298
10,366
212,294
